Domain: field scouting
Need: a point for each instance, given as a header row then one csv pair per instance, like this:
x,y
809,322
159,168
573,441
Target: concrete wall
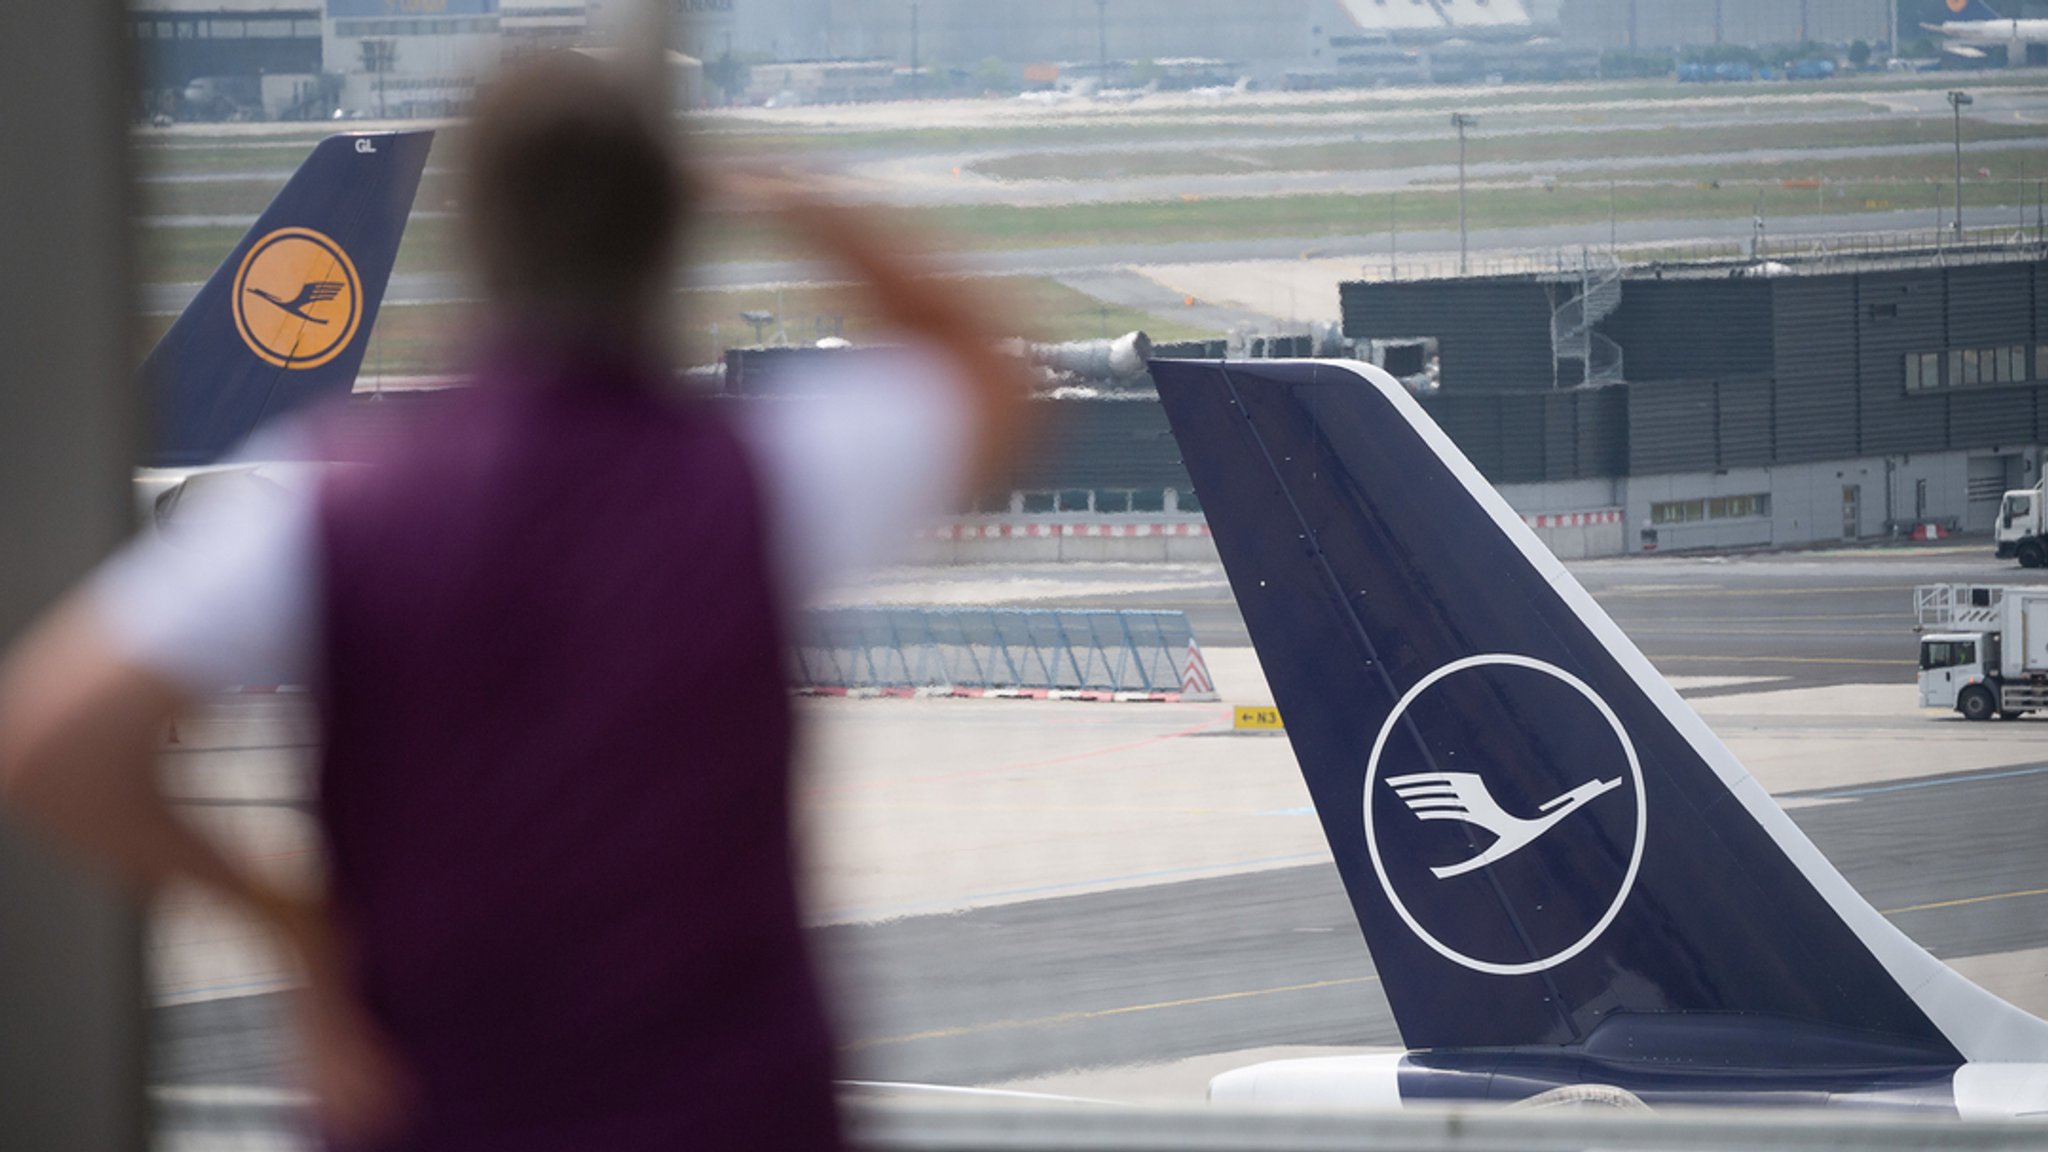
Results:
x,y
1808,504
1580,542
1564,495
1591,527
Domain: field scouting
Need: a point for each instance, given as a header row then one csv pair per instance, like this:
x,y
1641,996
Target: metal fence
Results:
x,y
997,650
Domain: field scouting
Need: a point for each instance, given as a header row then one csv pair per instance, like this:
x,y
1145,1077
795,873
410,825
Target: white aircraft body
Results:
x,y
1979,27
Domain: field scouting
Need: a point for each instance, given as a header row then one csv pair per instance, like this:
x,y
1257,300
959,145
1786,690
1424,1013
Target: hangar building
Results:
x,y
1261,34
1657,25
1819,402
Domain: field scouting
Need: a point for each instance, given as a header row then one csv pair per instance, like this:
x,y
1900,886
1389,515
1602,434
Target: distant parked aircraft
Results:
x,y
1977,27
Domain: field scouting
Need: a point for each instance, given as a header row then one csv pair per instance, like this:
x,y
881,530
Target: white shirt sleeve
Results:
x,y
870,447
226,593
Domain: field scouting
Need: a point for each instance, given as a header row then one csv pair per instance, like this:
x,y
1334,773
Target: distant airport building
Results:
x,y
1663,25
234,57
1264,36
409,57
1791,404
1814,402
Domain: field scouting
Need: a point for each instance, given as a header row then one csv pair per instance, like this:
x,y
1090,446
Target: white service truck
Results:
x,y
2023,526
1983,650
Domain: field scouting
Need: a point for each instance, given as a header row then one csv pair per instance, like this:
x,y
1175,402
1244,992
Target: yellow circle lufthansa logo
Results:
x,y
297,298
1958,5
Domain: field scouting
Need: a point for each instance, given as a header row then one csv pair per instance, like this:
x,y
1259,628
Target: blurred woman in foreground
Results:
x,y
546,631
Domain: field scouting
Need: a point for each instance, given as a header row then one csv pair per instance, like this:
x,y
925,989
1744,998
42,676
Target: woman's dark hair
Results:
x,y
575,194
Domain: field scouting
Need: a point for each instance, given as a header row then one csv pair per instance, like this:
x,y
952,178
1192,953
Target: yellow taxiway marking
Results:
x,y
1100,1013
1967,900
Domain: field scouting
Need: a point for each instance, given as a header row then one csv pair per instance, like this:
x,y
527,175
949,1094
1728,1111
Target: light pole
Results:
x,y
1102,42
1959,101
1460,121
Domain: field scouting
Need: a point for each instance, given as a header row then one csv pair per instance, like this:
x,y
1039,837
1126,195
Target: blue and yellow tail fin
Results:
x,y
1970,10
286,316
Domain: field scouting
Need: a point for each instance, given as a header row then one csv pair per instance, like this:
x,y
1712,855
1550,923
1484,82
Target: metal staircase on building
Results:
x,y
1573,335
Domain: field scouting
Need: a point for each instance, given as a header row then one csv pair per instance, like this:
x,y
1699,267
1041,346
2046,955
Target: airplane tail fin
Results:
x,y
286,316
1538,836
1972,10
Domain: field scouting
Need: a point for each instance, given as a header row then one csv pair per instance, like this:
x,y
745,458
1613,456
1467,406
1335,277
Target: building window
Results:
x,y
1736,507
1712,508
1678,511
1923,370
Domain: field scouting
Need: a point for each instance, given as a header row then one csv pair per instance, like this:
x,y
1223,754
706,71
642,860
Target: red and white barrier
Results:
x,y
980,529
1195,682
1033,530
942,692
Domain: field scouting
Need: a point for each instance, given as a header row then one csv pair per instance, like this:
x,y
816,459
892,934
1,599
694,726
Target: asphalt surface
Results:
x,y
1275,958
1154,974
1804,618
1157,973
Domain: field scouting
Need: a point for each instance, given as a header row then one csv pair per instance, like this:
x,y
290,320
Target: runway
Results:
x,y
1417,249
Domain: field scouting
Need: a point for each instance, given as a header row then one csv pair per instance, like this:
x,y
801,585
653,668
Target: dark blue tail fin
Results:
x,y
1536,833
286,316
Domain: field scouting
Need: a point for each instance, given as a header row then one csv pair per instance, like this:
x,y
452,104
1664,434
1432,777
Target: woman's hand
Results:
x,y
360,1089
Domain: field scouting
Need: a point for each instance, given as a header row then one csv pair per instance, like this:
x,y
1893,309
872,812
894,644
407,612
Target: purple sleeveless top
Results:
x,y
556,776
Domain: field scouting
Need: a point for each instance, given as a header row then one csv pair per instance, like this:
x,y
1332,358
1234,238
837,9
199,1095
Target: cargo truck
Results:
x,y
1983,650
2022,535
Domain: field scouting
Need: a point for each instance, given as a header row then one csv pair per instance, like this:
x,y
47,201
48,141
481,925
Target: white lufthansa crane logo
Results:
x,y
1464,796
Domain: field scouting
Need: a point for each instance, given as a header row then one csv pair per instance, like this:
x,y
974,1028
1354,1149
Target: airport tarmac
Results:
x,y
1121,899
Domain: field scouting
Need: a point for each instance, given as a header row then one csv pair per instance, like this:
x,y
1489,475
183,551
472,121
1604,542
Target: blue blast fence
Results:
x,y
1025,650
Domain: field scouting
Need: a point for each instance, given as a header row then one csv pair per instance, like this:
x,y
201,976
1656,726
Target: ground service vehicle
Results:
x,y
1983,651
2021,533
